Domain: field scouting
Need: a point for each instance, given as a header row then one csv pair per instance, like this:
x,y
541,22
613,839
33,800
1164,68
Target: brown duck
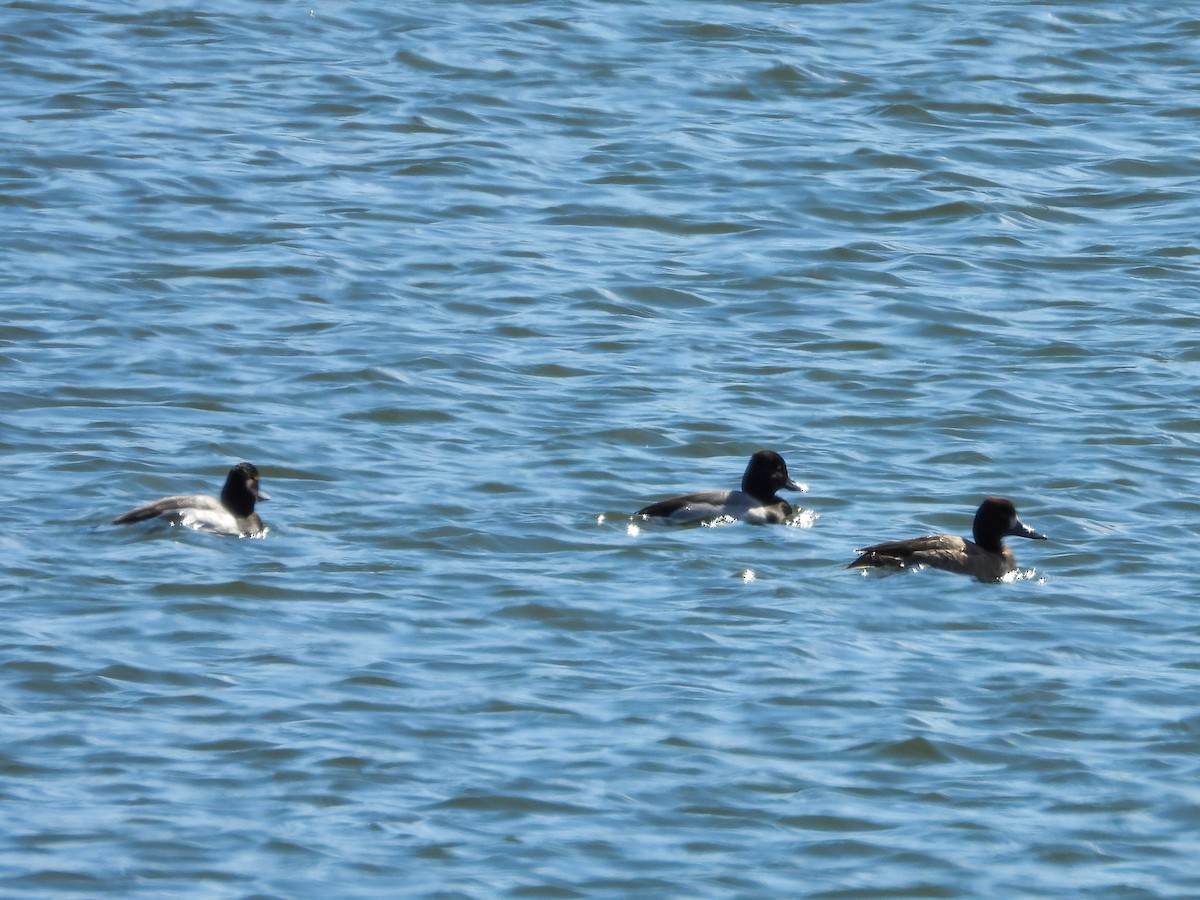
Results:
x,y
987,557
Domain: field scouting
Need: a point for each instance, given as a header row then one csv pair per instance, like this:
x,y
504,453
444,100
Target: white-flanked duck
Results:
x,y
755,503
233,513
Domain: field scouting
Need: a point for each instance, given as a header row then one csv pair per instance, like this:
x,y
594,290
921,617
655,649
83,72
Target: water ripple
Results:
x,y
472,285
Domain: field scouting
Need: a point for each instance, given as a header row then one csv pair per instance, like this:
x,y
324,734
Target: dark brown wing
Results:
x,y
942,551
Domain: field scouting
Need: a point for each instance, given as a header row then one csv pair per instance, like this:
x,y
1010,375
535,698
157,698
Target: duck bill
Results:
x,y
262,495
792,485
1020,529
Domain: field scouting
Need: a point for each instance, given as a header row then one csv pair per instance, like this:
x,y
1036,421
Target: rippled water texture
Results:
x,y
472,281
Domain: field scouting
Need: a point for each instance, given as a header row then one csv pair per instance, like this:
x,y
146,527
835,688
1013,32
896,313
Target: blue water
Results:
x,y
472,281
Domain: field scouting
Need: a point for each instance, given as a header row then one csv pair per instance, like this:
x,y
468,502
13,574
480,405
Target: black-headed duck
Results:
x,y
755,503
232,514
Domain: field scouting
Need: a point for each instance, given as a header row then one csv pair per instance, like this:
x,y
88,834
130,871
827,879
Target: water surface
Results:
x,y
470,284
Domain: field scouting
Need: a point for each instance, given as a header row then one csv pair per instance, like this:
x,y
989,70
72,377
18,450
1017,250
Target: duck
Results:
x,y
756,503
987,557
230,514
